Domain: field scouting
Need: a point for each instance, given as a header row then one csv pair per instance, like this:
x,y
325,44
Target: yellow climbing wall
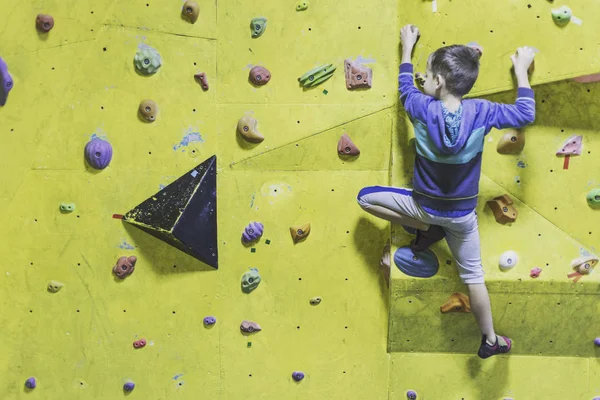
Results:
x,y
78,81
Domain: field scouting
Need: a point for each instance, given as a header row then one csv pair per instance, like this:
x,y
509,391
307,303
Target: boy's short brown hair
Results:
x,y
458,64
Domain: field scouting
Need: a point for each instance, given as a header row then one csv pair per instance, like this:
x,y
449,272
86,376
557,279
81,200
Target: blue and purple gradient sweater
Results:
x,y
447,172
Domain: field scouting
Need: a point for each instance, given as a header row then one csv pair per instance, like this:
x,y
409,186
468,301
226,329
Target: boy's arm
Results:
x,y
415,103
522,112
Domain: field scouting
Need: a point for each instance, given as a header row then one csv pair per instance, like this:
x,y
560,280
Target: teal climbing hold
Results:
x,y
67,207
562,15
258,26
593,198
317,76
421,265
302,5
147,61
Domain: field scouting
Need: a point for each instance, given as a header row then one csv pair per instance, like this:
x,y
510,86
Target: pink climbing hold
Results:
x,y
587,78
535,272
138,344
571,146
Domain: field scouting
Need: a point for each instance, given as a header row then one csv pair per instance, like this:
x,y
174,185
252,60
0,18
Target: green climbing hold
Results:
x,y
317,76
147,61
258,26
593,198
250,280
67,207
562,15
302,5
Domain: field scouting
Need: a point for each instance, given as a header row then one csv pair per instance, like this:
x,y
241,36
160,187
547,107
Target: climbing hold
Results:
x,y
252,232
148,110
300,232
6,82
67,207
302,5
457,302
259,76
98,153
411,394
420,78
571,146
511,142
147,61
183,212
190,11
582,266
208,321
298,376
346,147
128,387
587,78
250,280
258,26
248,128
138,344
562,15
535,272
202,80
593,198
597,342
421,265
44,22
508,260
317,76
30,383
55,286
315,301
503,209
125,266
249,327
357,75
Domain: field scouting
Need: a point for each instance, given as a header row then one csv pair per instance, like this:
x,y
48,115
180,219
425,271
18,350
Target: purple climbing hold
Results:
x,y
253,232
210,321
298,376
597,341
411,394
30,383
98,153
6,82
129,386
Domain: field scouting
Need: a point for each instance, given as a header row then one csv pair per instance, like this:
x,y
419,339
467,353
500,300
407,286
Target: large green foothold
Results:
x,y
593,198
302,5
250,280
258,26
562,15
317,76
67,207
147,61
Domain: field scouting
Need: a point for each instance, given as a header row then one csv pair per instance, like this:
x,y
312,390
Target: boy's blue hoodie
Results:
x,y
446,173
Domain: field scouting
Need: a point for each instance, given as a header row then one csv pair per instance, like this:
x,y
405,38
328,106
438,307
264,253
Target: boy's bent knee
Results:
x,y
360,198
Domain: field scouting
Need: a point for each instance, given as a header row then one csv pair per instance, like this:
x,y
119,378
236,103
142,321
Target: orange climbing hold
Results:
x,y
503,209
457,302
346,147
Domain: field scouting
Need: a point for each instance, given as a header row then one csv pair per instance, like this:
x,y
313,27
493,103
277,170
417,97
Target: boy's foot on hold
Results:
x,y
385,263
502,346
425,239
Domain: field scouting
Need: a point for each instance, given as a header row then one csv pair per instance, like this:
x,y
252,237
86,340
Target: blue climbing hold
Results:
x,y
421,265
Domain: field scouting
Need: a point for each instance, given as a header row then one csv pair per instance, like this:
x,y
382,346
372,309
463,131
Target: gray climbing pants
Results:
x,y
462,233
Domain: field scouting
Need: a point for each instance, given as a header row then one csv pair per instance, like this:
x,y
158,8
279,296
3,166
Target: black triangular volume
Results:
x,y
184,214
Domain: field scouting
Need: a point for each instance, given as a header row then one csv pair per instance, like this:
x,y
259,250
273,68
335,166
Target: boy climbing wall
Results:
x,y
450,132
